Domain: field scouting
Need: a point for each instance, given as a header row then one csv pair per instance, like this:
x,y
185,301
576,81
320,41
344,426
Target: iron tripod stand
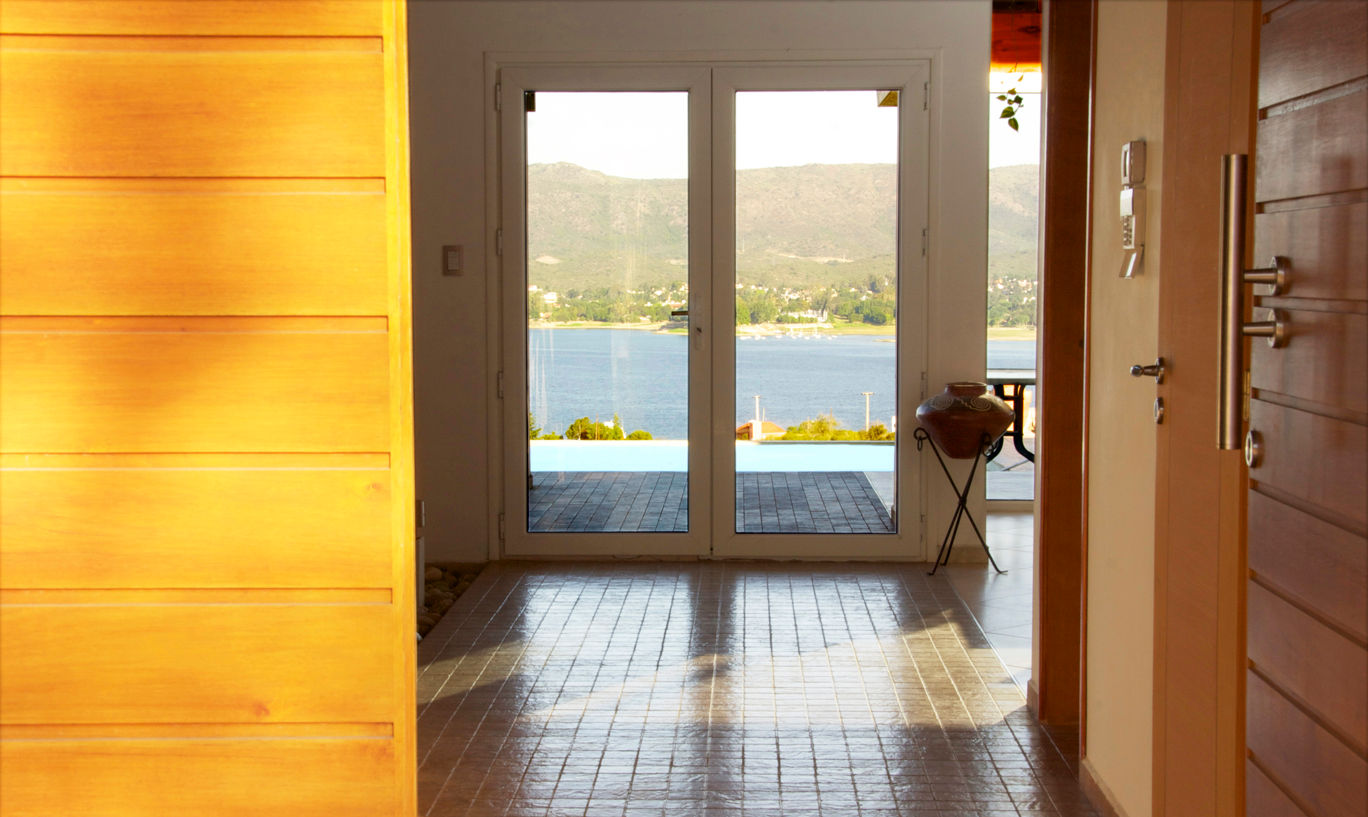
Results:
x,y
961,509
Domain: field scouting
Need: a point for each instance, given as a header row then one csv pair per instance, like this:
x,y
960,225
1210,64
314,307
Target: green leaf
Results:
x,y
1007,113
1002,97
1012,123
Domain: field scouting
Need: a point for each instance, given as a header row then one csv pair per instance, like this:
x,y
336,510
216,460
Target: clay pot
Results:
x,y
958,417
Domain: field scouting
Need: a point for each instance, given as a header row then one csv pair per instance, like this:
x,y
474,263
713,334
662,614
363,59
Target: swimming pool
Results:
x,y
672,455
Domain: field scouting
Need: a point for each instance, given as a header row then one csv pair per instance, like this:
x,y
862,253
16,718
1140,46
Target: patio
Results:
x,y
657,501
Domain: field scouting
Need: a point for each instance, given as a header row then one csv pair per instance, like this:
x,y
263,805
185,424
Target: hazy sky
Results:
x,y
643,135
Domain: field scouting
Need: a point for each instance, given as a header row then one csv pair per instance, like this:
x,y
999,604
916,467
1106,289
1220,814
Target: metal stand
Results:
x,y
1017,430
961,509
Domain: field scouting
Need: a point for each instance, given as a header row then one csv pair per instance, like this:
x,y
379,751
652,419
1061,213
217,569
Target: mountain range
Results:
x,y
797,227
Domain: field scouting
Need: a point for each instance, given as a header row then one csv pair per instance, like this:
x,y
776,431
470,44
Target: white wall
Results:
x,y
456,420
1123,330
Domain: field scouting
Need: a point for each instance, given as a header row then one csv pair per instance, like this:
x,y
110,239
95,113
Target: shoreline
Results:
x,y
778,329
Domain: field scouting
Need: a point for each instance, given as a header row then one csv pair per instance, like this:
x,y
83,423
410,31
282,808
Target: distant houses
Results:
x,y
759,430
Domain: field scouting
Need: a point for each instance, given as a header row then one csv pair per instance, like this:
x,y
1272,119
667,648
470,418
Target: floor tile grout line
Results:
x,y
638,631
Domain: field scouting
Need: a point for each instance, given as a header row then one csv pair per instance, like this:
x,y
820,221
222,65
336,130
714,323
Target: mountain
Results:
x,y
797,227
1013,223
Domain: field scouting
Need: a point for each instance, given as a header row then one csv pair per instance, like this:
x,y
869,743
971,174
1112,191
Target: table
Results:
x,y
1018,379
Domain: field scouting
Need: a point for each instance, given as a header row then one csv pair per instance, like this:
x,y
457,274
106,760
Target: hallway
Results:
x,y
738,688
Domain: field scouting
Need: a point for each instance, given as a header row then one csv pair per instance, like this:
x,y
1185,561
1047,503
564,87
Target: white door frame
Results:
x,y
513,81
909,78
712,507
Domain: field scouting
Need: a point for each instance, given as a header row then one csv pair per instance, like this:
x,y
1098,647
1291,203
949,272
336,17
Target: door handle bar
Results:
x,y
1234,276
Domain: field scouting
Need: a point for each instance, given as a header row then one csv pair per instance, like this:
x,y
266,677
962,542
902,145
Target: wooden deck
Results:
x,y
654,501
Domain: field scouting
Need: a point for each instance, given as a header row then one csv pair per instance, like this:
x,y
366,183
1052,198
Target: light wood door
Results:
x,y
206,510
1198,581
1307,683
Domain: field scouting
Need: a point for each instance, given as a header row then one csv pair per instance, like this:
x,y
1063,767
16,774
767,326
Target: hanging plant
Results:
x,y
1014,103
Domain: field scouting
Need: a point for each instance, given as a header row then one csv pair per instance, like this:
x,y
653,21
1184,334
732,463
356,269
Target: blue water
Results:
x,y
673,455
641,376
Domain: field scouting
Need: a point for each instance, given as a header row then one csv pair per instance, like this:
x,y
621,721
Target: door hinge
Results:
x,y
926,96
503,527
421,521
926,239
498,241
498,96
922,532
923,385
500,385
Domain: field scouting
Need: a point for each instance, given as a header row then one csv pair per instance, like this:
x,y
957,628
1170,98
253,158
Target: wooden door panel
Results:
x,y
1294,651
1319,460
1321,269
1320,150
1327,570
206,544
1314,337
1316,767
248,248
339,18
254,114
1265,798
169,390
179,523
1293,39
222,777
1307,595
196,663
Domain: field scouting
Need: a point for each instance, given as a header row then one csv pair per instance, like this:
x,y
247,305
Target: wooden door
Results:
x,y
1199,580
205,444
1306,727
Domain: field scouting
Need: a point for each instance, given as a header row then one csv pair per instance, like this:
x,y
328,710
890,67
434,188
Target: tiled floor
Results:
x,y
725,688
1001,602
809,502
769,502
654,501
1011,476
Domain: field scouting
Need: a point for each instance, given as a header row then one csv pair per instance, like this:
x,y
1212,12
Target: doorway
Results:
x,y
714,290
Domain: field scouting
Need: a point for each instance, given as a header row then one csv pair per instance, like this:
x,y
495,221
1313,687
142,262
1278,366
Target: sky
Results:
x,y
643,135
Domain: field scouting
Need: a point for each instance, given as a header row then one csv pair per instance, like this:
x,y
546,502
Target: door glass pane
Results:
x,y
1013,227
607,264
816,311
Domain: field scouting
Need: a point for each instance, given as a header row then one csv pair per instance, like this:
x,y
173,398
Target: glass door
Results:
x,y
820,181
713,283
606,286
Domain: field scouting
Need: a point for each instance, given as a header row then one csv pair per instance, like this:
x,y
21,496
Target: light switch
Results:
x,y
452,263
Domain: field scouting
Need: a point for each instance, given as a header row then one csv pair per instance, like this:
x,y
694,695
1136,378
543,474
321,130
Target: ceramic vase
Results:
x,y
958,417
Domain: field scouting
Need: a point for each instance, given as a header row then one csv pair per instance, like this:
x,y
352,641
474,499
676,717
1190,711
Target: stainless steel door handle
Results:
x,y
1154,370
1275,330
1234,277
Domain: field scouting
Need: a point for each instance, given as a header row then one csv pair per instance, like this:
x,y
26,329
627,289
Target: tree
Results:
x,y
532,428
585,429
639,435
821,427
876,432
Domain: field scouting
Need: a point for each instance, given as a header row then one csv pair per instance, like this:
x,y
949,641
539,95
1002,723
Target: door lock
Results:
x,y
1158,411
1253,449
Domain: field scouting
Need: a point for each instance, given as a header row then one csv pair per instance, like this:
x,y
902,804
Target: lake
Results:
x,y
641,377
